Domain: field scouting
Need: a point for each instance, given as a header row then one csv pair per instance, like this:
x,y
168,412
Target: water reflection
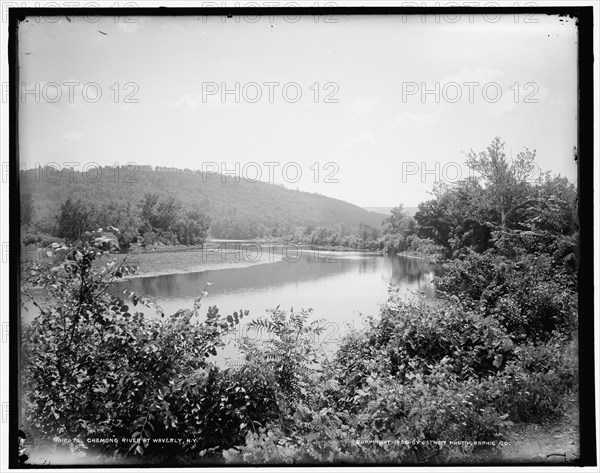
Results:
x,y
410,269
336,289
244,279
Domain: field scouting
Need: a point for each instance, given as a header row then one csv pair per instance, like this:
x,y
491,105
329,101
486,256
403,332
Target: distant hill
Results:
x,y
388,210
259,202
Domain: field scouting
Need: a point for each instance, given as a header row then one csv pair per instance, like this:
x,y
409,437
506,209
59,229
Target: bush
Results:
x,y
533,386
95,368
391,422
527,297
217,409
419,384
424,246
40,239
289,354
411,337
435,375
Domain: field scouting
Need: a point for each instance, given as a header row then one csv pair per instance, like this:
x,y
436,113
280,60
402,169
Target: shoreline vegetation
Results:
x,y
432,258
218,254
466,381
164,260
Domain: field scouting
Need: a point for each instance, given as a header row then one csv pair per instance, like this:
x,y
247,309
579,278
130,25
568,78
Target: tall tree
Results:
x,y
505,182
75,218
399,222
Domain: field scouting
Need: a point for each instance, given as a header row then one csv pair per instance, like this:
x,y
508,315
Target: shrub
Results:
x,y
393,422
39,239
525,295
289,353
435,374
215,409
96,368
413,337
419,384
533,385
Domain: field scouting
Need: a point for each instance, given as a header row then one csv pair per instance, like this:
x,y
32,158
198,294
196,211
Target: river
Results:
x,y
338,287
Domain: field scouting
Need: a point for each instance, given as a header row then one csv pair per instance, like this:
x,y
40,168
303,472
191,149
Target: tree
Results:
x,y
160,219
26,208
505,183
396,228
556,208
125,217
166,213
192,228
147,207
432,221
75,218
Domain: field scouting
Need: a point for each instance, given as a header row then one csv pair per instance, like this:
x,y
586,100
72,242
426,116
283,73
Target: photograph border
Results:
x,y
585,178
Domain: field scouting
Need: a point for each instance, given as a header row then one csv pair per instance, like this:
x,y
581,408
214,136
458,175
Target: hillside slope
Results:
x,y
268,204
388,210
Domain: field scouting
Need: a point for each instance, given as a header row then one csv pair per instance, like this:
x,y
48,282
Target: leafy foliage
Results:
x,y
410,387
289,352
524,294
497,349
235,209
96,368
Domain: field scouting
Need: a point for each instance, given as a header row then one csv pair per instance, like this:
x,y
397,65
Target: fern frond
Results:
x,y
260,325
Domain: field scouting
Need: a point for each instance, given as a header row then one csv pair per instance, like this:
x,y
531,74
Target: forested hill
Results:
x,y
411,211
244,203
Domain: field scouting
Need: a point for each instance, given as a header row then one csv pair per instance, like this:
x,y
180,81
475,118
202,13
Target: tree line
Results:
x,y
154,219
499,349
237,209
462,216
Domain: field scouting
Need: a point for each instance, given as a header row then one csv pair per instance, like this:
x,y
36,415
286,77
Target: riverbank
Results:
x,y
161,262
431,257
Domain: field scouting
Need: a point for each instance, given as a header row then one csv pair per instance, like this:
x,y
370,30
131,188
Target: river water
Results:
x,y
337,287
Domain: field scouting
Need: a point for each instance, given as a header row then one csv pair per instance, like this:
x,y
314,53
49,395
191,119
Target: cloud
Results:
x,y
360,140
363,106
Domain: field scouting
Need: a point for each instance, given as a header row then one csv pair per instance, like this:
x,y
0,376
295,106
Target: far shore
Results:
x,y
162,262
433,258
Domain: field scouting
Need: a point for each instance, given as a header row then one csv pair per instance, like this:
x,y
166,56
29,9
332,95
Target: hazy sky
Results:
x,y
162,80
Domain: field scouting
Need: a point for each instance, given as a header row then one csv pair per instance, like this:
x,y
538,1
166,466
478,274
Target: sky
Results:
x,y
368,109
